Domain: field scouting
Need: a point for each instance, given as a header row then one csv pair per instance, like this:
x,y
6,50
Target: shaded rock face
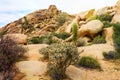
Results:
x,y
108,33
18,38
90,29
116,17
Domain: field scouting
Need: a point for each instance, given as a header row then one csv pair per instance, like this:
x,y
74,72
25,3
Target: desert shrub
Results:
x,y
107,24
47,39
81,42
89,62
10,53
116,36
62,18
99,39
60,56
62,35
106,19
111,55
75,32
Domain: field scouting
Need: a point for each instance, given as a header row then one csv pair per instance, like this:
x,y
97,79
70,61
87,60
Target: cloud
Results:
x,y
11,10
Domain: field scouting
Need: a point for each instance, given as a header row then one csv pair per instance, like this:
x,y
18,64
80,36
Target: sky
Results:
x,y
11,10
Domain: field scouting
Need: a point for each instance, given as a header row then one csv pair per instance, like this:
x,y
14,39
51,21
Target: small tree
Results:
x,y
60,57
75,32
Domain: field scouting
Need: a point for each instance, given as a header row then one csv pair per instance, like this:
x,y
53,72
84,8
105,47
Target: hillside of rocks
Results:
x,y
94,33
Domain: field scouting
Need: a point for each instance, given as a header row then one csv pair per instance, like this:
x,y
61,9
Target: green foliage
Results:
x,y
10,53
62,35
111,55
106,19
99,39
62,18
60,56
26,25
47,39
75,31
116,36
107,24
89,62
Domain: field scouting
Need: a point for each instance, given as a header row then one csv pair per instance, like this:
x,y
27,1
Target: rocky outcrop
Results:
x,y
96,50
41,18
69,27
116,17
18,38
108,34
86,14
105,10
90,29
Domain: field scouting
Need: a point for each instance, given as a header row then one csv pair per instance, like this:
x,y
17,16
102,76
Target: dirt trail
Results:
x,y
34,69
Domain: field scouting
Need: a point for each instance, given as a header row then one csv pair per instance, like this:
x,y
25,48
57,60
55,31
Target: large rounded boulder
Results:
x,y
18,38
91,28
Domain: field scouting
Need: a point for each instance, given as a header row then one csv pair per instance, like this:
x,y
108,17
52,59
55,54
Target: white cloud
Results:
x,y
13,9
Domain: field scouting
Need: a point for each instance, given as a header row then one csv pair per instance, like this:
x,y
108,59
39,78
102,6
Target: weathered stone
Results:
x,y
108,34
18,38
90,29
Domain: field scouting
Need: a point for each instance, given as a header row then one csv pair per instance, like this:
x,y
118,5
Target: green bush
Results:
x,y
60,56
99,39
116,36
62,35
10,53
105,17
89,62
47,39
62,18
111,55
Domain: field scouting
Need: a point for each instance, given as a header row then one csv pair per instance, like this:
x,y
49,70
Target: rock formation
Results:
x,y
90,29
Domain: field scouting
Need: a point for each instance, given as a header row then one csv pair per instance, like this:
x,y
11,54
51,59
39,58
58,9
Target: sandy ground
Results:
x,y
34,69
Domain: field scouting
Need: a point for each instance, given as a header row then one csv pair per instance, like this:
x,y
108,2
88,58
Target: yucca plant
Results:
x,y
75,32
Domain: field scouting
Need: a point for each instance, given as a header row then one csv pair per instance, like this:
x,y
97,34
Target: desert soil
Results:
x,y
34,69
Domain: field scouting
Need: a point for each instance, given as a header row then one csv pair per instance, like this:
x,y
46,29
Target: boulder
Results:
x,y
62,28
90,29
75,73
69,27
95,51
108,33
116,17
86,14
18,38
